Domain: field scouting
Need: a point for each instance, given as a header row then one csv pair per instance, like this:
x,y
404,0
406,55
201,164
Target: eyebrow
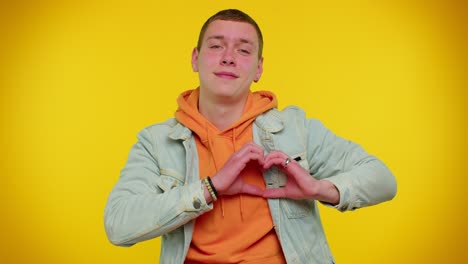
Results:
x,y
221,37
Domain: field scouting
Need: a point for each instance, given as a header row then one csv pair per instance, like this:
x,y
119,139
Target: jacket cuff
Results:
x,y
194,198
347,200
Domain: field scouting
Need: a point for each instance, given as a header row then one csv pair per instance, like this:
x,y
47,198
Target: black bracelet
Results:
x,y
212,186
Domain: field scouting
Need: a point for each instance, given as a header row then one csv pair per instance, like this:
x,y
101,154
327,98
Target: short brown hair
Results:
x,y
232,15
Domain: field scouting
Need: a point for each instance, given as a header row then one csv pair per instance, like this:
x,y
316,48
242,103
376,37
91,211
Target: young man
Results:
x,y
231,179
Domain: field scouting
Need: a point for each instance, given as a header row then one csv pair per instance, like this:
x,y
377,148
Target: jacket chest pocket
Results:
x,y
298,208
169,179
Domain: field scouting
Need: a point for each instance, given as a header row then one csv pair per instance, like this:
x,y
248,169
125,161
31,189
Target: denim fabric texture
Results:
x,y
159,192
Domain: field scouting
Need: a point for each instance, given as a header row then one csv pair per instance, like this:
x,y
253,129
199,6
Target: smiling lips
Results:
x,y
226,75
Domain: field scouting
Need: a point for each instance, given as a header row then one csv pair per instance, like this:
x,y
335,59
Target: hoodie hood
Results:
x,y
188,114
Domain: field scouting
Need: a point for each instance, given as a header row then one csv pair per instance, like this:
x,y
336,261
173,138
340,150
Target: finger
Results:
x,y
251,152
261,153
252,156
252,190
233,167
274,193
260,156
278,161
274,155
250,147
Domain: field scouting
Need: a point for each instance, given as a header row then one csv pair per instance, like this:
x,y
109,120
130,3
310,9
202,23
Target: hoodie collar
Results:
x,y
270,121
191,121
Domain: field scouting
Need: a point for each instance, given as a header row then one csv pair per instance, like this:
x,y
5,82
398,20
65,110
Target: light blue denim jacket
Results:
x,y
160,193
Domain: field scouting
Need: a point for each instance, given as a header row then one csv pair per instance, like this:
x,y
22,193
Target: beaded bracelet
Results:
x,y
210,188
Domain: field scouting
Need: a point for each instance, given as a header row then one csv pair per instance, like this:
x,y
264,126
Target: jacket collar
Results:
x,y
180,132
270,121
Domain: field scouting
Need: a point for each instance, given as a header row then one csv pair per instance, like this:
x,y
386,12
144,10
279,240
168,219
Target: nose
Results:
x,y
228,58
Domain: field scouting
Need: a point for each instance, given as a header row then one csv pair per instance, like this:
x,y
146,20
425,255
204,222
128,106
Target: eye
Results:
x,y
215,46
244,51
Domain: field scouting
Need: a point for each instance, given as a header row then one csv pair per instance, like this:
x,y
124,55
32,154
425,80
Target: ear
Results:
x,y
195,59
259,70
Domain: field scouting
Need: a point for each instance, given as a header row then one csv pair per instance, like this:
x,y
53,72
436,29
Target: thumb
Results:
x,y
274,193
252,190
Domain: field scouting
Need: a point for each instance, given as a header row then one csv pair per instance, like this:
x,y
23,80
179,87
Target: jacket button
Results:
x,y
196,203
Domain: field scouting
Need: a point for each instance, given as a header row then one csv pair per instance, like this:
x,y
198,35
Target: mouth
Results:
x,y
226,75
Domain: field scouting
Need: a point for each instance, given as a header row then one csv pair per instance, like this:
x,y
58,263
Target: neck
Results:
x,y
222,114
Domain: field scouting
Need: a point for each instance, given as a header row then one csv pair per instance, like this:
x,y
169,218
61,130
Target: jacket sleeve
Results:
x,y
144,203
361,179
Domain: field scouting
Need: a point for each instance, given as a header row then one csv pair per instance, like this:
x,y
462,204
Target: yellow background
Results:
x,y
79,79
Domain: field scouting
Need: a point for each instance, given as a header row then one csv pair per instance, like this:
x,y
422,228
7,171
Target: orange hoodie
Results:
x,y
239,229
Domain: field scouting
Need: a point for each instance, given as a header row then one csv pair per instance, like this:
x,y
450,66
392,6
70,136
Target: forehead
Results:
x,y
231,30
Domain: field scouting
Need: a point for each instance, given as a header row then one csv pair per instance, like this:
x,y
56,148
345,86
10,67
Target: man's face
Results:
x,y
227,62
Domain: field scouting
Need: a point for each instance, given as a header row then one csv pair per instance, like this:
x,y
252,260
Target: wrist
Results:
x,y
328,193
217,186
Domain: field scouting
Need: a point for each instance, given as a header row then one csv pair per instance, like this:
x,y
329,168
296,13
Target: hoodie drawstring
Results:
x,y
235,150
210,150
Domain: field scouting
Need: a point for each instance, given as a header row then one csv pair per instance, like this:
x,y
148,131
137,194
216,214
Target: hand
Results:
x,y
300,184
227,180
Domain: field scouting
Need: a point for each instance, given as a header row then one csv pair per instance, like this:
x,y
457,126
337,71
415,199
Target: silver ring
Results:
x,y
286,162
